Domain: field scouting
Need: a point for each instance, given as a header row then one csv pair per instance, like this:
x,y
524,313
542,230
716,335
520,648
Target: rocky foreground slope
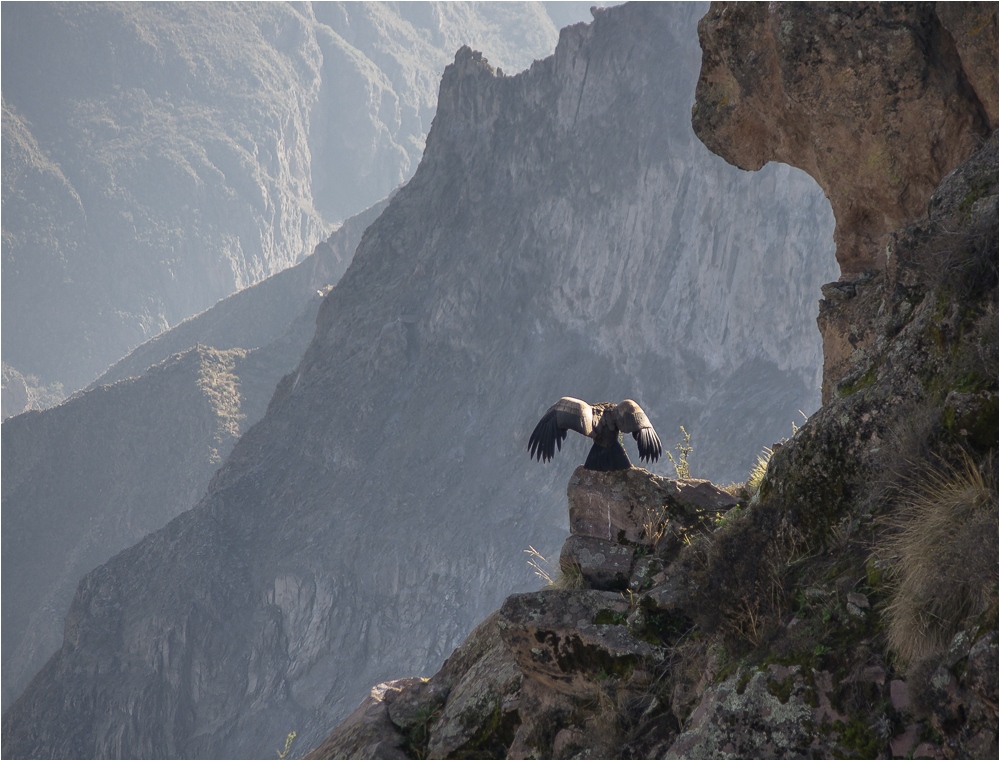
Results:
x,y
157,158
565,233
847,607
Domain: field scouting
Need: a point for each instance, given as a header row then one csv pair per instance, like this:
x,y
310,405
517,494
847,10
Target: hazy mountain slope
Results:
x,y
397,53
256,315
564,234
87,479
182,134
158,157
269,326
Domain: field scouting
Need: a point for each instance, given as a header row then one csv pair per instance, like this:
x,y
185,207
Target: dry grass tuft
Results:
x,y
567,576
570,577
944,561
757,473
655,525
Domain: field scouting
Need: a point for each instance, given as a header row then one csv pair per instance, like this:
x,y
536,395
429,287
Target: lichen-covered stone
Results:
x,y
958,694
603,564
413,701
368,733
571,640
645,571
671,594
481,709
544,713
773,712
621,505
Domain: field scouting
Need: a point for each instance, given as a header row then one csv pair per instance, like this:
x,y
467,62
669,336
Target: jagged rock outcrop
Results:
x,y
539,667
565,231
921,81
772,85
157,158
233,355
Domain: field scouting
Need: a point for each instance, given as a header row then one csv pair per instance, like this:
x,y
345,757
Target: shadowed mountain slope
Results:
x,y
103,457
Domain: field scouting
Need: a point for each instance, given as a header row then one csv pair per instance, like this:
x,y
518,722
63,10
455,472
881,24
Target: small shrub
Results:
x,y
289,739
684,450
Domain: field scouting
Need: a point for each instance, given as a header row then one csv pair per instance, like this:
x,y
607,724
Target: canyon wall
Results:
x,y
565,233
847,605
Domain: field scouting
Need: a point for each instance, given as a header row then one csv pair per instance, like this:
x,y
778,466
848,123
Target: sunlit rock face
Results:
x,y
921,83
565,233
775,77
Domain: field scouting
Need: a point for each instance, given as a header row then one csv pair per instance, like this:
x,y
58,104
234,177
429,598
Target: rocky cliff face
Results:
x,y
158,158
923,98
847,607
565,233
772,79
93,476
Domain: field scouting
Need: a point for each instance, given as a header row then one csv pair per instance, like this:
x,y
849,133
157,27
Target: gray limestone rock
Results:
x,y
603,564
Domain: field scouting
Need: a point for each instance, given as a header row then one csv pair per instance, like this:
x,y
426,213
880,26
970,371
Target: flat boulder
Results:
x,y
630,505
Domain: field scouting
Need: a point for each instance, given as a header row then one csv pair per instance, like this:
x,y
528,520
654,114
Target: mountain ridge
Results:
x,y
157,159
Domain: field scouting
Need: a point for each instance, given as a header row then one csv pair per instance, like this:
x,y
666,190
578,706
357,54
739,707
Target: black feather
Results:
x,y
611,457
649,444
545,438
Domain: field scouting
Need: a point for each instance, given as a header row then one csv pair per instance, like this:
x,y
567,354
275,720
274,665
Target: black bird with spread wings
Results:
x,y
601,422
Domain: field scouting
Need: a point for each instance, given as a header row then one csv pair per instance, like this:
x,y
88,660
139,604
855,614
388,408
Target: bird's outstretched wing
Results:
x,y
568,414
631,419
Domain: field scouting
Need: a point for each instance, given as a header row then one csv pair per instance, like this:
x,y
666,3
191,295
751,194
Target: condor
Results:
x,y
601,422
